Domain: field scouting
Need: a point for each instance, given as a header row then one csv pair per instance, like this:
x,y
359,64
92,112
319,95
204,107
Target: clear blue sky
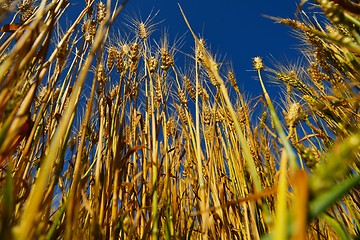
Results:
x,y
234,29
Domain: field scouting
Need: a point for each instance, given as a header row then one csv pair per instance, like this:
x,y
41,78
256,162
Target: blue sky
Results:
x,y
235,30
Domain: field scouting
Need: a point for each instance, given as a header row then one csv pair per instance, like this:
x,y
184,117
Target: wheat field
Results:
x,y
114,139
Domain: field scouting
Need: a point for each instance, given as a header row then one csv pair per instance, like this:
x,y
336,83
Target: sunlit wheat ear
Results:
x,y
203,93
206,114
100,11
113,92
219,114
153,63
133,53
182,115
166,54
312,45
142,28
263,119
317,77
120,62
167,51
182,96
158,90
62,48
315,104
190,88
212,79
231,77
208,61
241,113
302,29
310,155
89,30
42,91
258,63
292,75
26,9
111,56
294,114
199,51
333,11
100,73
170,127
